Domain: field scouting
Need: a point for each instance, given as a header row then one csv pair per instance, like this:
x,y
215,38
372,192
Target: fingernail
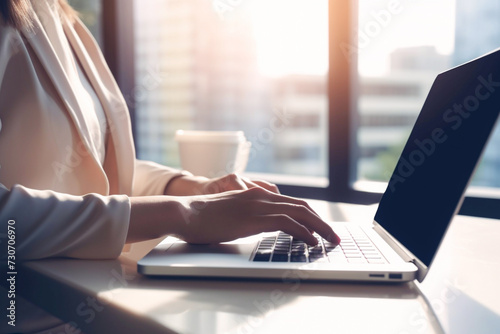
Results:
x,y
335,239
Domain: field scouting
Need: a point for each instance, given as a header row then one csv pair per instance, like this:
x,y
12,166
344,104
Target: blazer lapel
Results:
x,y
39,41
112,101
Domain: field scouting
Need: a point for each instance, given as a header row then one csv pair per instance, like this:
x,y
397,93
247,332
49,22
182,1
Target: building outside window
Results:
x,y
261,66
249,66
402,46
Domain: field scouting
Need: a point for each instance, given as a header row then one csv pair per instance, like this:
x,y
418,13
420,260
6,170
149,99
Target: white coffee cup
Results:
x,y
213,153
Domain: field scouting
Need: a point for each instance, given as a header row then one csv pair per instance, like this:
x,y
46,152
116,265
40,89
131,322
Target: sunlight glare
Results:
x,y
291,36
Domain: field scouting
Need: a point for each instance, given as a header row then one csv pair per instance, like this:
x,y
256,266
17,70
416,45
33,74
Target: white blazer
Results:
x,y
53,189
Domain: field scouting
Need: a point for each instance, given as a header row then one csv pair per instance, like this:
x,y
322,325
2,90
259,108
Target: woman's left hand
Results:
x,y
197,185
235,182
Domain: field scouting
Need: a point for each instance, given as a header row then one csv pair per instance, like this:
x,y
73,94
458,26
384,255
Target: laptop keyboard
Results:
x,y
355,247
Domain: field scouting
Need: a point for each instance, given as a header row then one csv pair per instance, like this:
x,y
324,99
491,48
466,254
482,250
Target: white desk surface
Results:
x,y
459,295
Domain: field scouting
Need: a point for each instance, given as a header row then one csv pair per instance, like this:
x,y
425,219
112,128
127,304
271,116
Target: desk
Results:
x,y
111,297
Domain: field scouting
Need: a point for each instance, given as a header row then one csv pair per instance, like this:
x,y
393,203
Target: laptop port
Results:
x,y
377,275
396,276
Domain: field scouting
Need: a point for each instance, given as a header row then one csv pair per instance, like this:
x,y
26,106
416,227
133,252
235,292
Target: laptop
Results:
x,y
424,193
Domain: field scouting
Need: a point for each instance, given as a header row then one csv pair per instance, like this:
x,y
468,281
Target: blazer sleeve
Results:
x,y
151,178
51,224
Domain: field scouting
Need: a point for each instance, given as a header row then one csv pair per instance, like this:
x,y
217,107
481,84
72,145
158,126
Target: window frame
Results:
x,y
119,52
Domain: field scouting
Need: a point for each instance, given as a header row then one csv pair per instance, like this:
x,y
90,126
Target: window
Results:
x,y
347,78
90,12
398,57
402,45
235,65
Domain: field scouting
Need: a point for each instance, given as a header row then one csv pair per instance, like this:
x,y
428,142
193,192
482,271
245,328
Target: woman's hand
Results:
x,y
227,216
198,185
234,182
225,209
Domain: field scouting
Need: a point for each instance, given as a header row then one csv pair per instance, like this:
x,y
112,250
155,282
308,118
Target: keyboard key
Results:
x,y
373,256
316,250
337,258
262,257
376,261
298,258
269,239
279,258
297,252
267,243
356,260
370,251
353,247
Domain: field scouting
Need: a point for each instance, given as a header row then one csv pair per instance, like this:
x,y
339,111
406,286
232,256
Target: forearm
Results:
x,y
155,216
186,185
52,224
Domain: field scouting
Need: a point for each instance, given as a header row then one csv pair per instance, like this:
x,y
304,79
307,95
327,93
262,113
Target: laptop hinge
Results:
x,y
401,250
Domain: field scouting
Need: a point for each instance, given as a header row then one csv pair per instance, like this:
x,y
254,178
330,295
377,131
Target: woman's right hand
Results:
x,y
221,217
235,214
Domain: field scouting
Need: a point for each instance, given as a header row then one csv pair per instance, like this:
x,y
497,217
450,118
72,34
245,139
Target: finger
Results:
x,y
273,197
302,215
263,184
260,193
225,183
259,184
234,182
280,222
249,183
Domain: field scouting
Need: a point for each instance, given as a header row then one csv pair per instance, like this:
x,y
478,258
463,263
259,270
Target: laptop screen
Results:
x,y
441,155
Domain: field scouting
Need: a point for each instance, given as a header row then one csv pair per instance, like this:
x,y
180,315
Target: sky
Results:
x,y
292,35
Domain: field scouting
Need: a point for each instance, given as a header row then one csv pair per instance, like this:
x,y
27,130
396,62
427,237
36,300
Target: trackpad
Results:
x,y
181,253
185,248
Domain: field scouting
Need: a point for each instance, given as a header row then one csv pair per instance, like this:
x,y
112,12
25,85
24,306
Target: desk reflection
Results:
x,y
124,301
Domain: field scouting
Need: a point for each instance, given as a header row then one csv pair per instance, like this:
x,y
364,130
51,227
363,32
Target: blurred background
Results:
x,y
261,66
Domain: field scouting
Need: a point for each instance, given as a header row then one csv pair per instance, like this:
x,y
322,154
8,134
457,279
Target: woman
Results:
x,y
69,178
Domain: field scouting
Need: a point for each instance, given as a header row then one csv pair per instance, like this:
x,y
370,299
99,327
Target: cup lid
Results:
x,y
210,136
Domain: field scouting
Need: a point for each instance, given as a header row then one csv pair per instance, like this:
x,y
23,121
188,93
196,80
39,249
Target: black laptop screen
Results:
x,y
441,154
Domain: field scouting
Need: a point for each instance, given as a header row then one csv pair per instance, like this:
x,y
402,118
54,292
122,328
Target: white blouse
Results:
x,y
93,114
